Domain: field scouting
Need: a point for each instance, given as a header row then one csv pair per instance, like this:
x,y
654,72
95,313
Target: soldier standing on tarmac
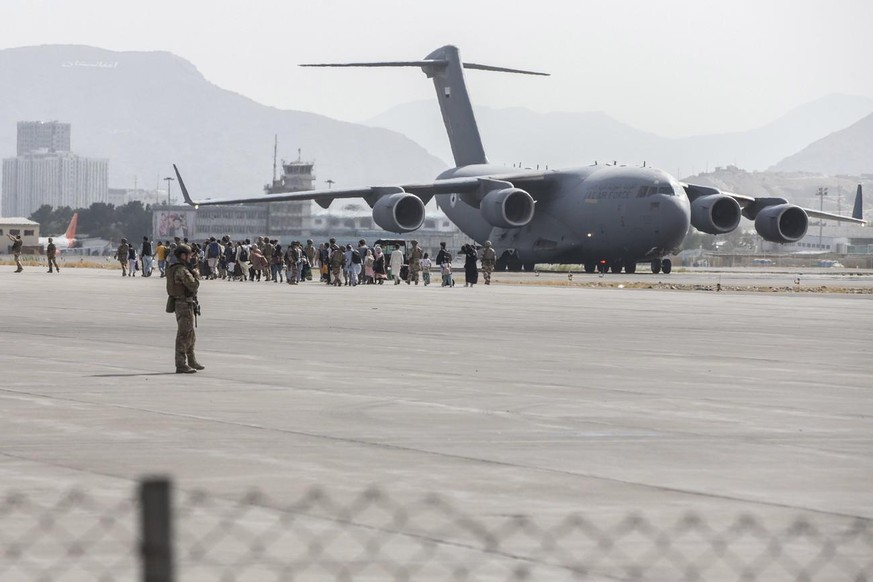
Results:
x,y
123,256
489,259
311,256
16,250
51,253
182,288
415,257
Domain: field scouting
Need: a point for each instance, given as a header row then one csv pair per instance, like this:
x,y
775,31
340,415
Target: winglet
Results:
x,y
184,189
858,211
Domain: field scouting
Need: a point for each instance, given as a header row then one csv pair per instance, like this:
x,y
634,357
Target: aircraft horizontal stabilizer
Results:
x,y
429,63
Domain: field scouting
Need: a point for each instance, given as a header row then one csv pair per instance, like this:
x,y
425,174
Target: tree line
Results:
x,y
100,220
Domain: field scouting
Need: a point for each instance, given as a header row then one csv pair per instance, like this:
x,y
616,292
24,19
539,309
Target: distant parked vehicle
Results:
x,y
831,264
759,262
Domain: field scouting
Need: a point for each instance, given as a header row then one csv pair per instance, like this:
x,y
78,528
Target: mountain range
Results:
x,y
147,110
848,152
519,135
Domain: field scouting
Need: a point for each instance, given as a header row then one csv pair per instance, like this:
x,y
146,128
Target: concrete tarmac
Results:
x,y
505,399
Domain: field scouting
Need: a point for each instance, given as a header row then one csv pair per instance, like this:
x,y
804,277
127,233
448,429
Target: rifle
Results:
x,y
196,305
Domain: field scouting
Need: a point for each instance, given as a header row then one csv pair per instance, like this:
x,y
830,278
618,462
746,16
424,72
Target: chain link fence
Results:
x,y
195,536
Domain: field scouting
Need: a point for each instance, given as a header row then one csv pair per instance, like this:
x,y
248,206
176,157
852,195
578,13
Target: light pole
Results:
x,y
822,192
168,180
330,184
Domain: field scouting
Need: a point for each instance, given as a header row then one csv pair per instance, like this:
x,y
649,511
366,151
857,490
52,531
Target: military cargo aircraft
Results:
x,y
608,215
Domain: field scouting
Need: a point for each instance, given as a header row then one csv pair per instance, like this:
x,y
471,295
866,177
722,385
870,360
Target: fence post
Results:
x,y
156,549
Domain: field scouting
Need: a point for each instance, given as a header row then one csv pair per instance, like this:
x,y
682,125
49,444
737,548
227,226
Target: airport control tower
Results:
x,y
290,219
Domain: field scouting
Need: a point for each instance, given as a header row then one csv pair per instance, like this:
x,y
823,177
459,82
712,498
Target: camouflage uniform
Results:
x,y
415,257
336,266
122,254
16,251
292,259
51,253
182,287
311,256
489,259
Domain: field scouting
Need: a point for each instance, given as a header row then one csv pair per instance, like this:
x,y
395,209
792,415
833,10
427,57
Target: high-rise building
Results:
x,y
54,177
51,136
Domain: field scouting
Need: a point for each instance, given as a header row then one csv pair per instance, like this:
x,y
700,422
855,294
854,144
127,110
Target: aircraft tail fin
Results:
x,y
858,210
445,67
71,229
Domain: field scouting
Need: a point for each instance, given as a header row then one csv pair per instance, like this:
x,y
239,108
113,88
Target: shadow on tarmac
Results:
x,y
129,375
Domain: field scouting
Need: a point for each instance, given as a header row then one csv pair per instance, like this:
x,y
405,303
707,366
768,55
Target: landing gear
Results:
x,y
602,267
666,266
530,267
662,266
615,266
590,267
630,266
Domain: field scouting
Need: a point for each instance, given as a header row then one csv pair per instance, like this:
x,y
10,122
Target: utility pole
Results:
x,y
822,192
168,179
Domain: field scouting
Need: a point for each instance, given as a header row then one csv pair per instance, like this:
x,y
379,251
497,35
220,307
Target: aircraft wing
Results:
x,y
751,204
424,190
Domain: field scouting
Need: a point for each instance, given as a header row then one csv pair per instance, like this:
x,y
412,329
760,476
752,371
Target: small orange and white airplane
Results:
x,y
65,241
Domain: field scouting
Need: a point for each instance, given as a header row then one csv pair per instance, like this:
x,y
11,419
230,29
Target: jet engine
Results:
x,y
399,212
507,208
782,223
715,214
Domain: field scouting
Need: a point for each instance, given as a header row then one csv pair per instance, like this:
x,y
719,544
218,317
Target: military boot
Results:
x,y
185,370
193,363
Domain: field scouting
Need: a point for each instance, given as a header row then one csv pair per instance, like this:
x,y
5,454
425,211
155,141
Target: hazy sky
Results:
x,y
675,67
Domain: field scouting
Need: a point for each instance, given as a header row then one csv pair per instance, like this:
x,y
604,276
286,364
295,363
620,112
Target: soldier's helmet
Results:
x,y
124,241
415,243
182,250
488,244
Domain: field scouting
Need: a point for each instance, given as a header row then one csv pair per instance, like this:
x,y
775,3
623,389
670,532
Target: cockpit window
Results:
x,y
652,190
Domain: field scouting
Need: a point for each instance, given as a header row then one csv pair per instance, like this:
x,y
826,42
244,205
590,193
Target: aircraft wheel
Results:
x,y
590,267
656,266
666,266
630,267
615,266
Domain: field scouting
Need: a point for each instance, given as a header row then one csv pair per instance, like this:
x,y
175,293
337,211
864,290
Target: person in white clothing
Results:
x,y
396,264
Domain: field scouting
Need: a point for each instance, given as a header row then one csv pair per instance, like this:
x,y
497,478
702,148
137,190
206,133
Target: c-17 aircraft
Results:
x,y
613,216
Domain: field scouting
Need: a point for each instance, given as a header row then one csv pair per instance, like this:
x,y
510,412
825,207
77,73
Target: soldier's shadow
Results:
x,y
129,375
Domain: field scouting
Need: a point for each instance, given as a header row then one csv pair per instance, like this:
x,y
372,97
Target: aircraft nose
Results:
x,y
675,219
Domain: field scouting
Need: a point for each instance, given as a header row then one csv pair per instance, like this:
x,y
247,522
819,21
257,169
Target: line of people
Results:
x,y
334,264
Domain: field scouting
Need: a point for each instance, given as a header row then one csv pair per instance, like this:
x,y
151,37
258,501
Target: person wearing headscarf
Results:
x,y
379,271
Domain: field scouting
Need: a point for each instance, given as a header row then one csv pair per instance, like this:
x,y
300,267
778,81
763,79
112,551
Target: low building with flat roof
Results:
x,y
28,229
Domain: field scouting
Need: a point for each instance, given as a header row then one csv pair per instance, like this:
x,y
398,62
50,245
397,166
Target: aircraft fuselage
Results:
x,y
592,213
